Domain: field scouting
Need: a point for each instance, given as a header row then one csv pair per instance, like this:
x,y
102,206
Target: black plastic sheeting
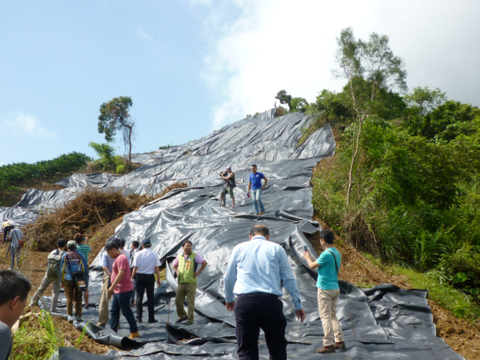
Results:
x,y
388,322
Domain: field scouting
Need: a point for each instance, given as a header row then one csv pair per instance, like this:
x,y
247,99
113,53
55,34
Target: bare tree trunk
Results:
x,y
354,158
130,147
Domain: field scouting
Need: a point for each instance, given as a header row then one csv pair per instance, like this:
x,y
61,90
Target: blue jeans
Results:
x,y
14,252
257,201
122,301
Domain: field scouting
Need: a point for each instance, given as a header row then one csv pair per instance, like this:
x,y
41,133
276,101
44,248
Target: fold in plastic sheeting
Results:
x,y
388,323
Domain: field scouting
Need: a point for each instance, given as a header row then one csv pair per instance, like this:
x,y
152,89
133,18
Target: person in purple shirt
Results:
x,y
255,184
185,268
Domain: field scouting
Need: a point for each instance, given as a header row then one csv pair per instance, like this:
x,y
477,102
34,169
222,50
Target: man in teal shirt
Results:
x,y
328,264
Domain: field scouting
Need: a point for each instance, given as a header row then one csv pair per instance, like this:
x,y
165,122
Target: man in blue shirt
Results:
x,y
254,273
328,264
255,183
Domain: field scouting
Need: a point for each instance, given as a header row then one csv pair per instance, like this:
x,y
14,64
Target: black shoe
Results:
x,y
153,321
180,320
139,320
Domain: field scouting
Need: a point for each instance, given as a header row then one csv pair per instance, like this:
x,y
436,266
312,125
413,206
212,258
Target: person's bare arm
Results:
x,y
265,184
134,272
157,271
201,269
119,278
104,268
176,269
311,262
249,186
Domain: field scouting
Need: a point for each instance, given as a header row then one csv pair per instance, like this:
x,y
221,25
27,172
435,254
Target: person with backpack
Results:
x,y
73,272
16,244
52,275
185,266
328,291
229,178
84,249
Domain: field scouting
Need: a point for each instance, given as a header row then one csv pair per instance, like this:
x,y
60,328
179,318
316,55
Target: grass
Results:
x,y
446,296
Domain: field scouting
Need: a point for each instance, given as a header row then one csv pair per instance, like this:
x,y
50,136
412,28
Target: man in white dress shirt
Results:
x,y
145,265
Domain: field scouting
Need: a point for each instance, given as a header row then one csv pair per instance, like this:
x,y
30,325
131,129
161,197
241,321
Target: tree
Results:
x,y
284,98
370,68
115,116
421,102
105,152
298,104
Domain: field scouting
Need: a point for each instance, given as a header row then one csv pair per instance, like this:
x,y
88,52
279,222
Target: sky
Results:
x,y
193,66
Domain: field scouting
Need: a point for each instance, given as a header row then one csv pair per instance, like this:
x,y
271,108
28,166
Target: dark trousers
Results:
x,y
73,294
255,311
122,302
145,282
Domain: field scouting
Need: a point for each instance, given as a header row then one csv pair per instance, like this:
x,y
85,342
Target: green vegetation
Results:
x,y
15,174
108,160
115,116
39,338
405,184
164,147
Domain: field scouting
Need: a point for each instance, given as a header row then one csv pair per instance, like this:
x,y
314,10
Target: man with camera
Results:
x,y
73,267
229,178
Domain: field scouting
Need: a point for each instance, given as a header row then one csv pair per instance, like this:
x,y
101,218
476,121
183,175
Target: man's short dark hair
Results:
x,y
253,165
13,284
78,238
135,244
259,230
122,242
327,235
61,242
185,243
111,245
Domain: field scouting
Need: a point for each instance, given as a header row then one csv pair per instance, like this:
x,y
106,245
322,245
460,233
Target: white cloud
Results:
x,y
279,44
23,123
144,36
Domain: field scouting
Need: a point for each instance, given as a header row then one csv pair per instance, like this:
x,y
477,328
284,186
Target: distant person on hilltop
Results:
x,y
328,291
14,288
255,184
52,275
15,237
6,228
229,178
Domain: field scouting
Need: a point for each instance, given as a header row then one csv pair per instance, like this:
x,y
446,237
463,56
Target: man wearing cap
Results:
x,y
15,236
107,264
72,262
145,264
121,289
229,178
184,266
52,275
255,183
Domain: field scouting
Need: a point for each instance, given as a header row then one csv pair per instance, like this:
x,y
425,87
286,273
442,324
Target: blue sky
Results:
x,y
191,66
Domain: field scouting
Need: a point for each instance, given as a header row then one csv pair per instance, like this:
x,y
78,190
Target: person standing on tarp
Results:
x,y
72,262
121,289
84,249
185,268
15,237
107,264
255,273
133,252
328,291
14,289
255,184
52,275
229,178
145,265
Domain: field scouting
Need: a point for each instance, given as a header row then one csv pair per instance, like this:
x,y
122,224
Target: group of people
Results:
x,y
254,189
255,274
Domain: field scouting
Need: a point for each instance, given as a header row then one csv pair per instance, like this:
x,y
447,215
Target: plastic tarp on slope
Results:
x,y
388,322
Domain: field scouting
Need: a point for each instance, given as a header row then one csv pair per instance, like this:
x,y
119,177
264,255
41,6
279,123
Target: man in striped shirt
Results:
x,y
84,249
